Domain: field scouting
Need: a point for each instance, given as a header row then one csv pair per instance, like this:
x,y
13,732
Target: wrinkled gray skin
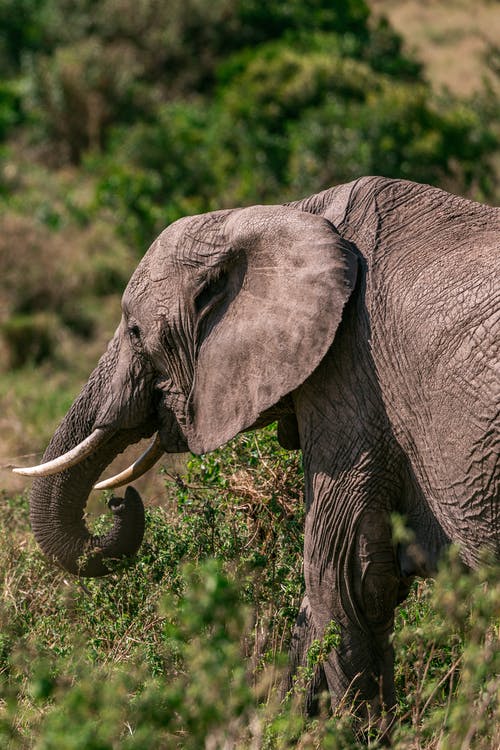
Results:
x,y
363,319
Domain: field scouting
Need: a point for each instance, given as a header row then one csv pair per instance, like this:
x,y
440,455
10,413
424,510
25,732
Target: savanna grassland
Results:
x,y
116,118
455,39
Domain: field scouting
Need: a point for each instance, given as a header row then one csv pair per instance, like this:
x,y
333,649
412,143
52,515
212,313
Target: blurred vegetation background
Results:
x,y
116,118
119,116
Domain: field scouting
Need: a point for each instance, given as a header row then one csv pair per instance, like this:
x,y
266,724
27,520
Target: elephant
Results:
x,y
361,320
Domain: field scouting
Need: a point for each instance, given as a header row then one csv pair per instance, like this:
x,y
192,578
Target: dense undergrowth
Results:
x,y
186,647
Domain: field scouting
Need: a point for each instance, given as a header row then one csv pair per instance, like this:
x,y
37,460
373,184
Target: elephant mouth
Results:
x,y
90,445
166,440
140,466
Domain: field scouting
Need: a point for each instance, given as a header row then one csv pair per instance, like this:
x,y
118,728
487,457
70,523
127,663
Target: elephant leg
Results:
x,y
357,586
303,635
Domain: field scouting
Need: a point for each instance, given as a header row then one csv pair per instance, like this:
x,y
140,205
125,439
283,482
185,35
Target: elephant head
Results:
x,y
226,314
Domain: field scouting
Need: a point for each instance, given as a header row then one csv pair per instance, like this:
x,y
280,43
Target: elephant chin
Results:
x,y
57,511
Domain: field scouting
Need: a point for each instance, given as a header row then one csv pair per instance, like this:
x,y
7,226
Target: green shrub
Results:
x,y
287,120
10,107
160,171
28,338
182,650
24,29
54,287
396,131
80,90
447,642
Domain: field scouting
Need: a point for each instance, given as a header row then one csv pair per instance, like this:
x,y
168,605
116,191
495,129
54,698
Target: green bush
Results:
x,y
185,647
160,171
80,90
10,107
54,287
28,338
447,640
287,120
24,26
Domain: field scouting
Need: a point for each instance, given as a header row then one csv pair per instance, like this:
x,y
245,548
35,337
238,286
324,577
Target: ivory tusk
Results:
x,y
143,464
72,457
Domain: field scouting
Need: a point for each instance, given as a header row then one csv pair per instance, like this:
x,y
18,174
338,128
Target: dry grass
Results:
x,y
449,36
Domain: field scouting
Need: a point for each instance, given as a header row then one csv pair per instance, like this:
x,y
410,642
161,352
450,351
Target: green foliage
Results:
x,y
28,338
448,639
160,171
45,298
169,653
23,29
191,644
289,120
40,397
115,59
207,695
319,649
10,107
80,90
395,132
384,53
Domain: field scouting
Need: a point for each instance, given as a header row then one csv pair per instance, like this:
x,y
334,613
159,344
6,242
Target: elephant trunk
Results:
x,y
57,502
57,506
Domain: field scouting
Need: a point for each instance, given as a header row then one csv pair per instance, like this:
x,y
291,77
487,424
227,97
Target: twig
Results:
x,y
17,458
441,681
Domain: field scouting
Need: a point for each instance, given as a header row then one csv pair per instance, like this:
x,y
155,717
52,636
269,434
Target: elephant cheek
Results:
x,y
171,436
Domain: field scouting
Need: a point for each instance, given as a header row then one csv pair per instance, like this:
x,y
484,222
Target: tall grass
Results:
x,y
185,647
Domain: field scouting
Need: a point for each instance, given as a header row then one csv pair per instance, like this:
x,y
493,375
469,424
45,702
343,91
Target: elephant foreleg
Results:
x,y
303,636
358,588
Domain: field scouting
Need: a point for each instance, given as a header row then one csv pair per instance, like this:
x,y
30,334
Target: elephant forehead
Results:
x,y
144,301
190,243
173,264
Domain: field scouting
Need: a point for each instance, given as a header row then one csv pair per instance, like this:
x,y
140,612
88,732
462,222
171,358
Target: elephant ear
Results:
x,y
295,275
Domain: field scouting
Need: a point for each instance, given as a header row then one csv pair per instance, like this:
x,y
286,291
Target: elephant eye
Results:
x,y
135,333
212,291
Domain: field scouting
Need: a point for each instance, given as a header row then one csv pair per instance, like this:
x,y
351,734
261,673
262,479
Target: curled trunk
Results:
x,y
57,510
57,503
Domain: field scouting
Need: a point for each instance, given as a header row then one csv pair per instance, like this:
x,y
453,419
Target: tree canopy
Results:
x,y
131,113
